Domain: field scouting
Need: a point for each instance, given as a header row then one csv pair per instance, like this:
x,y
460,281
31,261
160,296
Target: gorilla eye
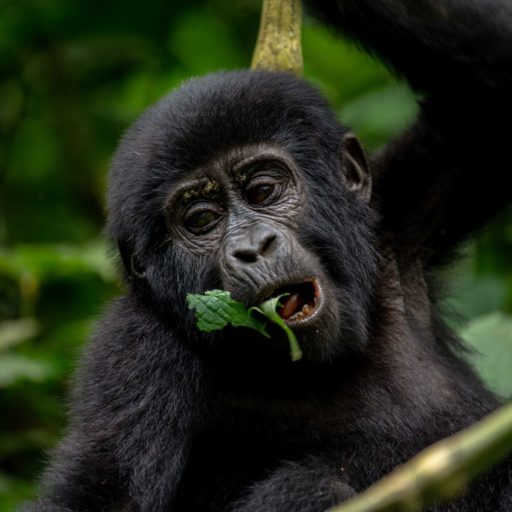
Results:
x,y
259,193
201,220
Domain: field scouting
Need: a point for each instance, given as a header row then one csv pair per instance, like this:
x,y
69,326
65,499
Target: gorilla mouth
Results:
x,y
301,304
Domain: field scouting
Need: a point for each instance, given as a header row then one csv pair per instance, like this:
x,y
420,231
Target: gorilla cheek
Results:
x,y
171,275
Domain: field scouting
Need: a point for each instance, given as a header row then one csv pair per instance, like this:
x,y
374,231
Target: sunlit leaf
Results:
x,y
45,260
13,332
14,368
491,336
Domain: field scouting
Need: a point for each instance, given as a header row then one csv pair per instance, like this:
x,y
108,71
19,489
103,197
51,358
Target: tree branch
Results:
x,y
441,471
278,47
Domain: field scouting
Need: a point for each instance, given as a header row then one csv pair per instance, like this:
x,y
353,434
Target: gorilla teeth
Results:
x,y
301,301
304,312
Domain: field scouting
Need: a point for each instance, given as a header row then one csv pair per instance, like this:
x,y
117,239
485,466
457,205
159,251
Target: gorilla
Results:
x,y
246,181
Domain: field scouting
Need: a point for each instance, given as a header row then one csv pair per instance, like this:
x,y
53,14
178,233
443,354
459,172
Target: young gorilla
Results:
x,y
245,181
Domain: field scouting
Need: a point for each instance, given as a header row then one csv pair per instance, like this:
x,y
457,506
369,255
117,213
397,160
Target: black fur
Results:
x,y
166,418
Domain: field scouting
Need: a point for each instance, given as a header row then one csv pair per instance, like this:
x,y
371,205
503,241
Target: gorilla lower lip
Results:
x,y
301,303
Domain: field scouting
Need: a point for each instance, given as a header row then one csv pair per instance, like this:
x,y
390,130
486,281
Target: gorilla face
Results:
x,y
246,210
248,185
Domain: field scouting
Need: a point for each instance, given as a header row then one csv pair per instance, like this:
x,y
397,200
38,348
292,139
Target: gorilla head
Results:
x,y
245,181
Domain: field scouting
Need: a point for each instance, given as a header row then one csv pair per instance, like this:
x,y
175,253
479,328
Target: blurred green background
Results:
x,y
73,76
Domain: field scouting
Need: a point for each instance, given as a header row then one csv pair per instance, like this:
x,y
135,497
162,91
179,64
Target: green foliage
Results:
x,y
14,367
71,80
216,309
491,337
269,310
16,331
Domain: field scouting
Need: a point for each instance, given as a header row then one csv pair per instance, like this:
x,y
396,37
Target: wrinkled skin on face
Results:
x,y
212,205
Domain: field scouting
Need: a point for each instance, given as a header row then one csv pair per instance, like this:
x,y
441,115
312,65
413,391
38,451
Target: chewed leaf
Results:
x,y
216,309
269,309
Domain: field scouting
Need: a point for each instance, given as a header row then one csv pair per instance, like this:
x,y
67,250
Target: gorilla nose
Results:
x,y
258,242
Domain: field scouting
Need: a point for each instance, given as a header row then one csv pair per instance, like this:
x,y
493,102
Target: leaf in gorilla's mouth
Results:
x,y
215,309
300,303
292,305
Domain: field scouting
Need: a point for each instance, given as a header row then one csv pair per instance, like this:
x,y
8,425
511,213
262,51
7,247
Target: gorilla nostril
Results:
x,y
245,255
268,244
257,243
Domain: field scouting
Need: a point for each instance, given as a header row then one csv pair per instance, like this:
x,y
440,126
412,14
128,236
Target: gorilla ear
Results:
x,y
355,167
130,262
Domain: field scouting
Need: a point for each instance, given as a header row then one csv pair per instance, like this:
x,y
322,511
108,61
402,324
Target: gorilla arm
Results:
x,y
311,484
444,178
132,419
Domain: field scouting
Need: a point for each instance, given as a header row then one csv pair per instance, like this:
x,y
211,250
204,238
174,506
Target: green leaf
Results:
x,y
14,491
13,332
43,261
491,336
14,368
216,309
269,309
